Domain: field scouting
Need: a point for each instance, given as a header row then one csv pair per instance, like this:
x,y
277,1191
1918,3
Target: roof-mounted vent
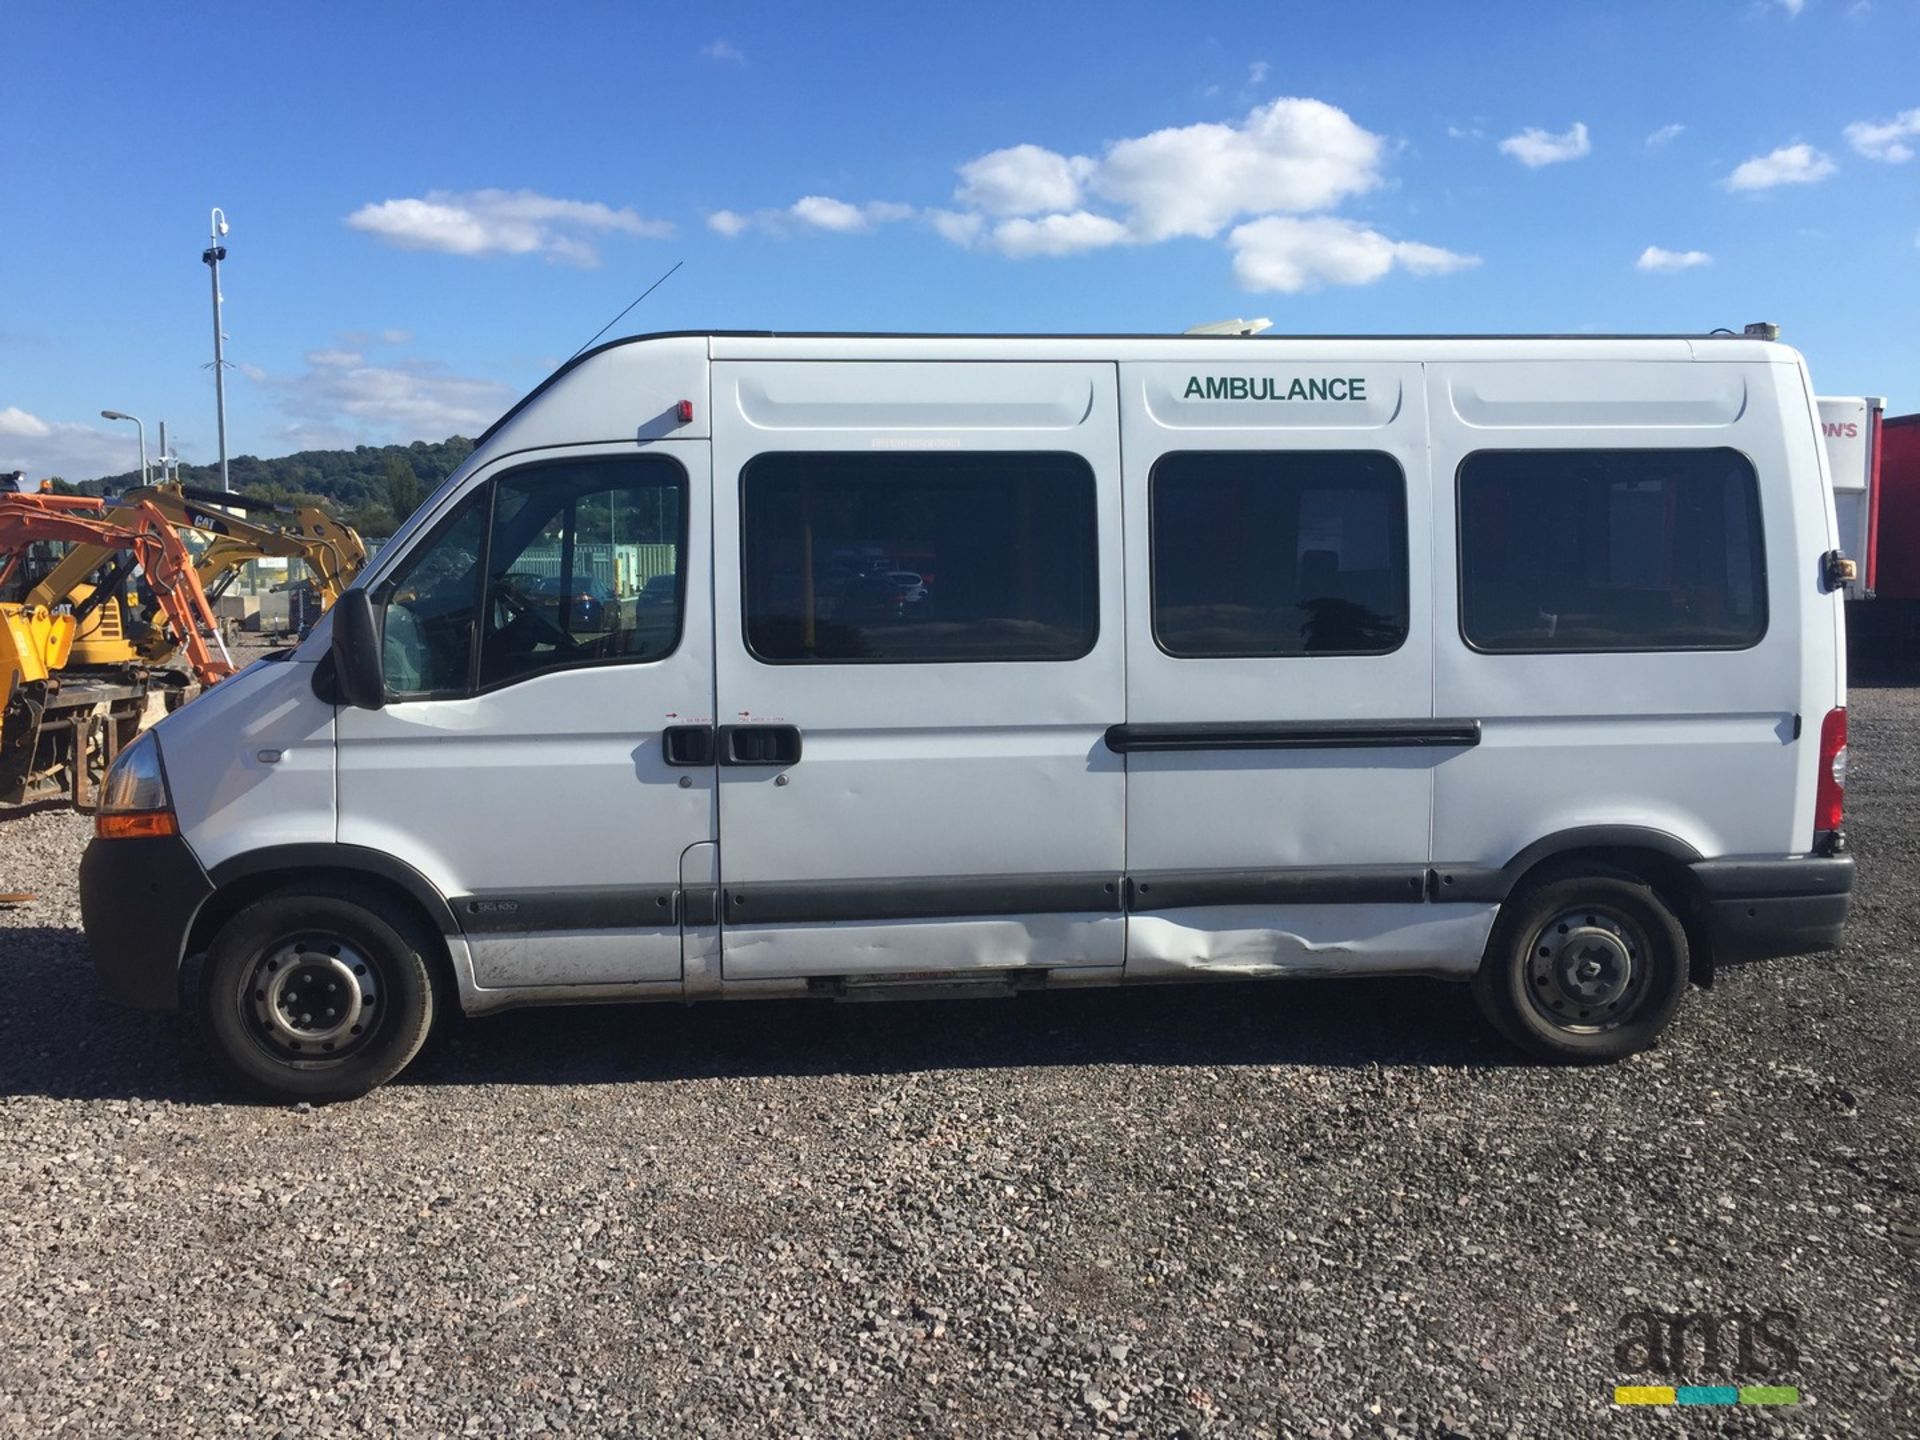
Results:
x,y
1762,330
1231,327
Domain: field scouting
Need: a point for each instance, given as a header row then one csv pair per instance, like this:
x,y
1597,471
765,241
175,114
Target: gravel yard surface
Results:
x,y
1327,1209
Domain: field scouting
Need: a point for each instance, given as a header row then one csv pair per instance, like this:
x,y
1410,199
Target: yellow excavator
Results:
x,y
61,724
110,635
92,632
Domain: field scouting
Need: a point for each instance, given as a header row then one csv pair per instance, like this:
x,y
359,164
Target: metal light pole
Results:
x,y
122,415
212,256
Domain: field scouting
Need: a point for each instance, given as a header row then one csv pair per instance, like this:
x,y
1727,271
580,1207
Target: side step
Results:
x,y
946,985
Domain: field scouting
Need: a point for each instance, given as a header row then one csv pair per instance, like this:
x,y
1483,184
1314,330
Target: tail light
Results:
x,y
1830,793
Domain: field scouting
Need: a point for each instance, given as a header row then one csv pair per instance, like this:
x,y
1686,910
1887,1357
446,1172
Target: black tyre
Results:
x,y
1586,967
314,997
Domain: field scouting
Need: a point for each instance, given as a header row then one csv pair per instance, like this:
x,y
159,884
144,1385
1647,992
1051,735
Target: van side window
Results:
x,y
1594,550
1276,553
883,558
582,565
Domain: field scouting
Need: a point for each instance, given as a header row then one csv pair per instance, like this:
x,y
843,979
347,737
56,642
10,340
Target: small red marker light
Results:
x,y
685,411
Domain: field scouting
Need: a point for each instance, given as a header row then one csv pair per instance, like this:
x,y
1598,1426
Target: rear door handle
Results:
x,y
759,744
687,745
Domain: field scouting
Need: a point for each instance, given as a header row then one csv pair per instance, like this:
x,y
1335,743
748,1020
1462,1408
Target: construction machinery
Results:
x,y
332,552
61,722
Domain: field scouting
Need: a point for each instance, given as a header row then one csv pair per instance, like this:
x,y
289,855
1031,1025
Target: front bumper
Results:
x,y
1761,908
138,899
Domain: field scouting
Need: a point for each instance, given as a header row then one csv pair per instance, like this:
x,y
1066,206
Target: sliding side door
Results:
x,y
1280,734
919,648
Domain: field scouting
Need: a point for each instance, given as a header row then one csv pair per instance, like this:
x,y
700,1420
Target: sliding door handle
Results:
x,y
759,744
688,745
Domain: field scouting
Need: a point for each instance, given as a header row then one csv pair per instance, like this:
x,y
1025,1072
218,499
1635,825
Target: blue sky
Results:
x,y
433,205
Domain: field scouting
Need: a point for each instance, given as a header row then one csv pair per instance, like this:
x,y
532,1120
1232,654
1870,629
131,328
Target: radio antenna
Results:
x,y
636,300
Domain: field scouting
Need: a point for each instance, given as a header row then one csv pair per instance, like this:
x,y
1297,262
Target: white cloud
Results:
x,y
1534,147
828,213
1291,155
43,448
396,337
825,213
16,423
1465,132
502,222
1886,140
1663,135
1789,165
1655,258
334,359
1793,7
959,226
816,212
1291,254
382,404
1257,73
1023,180
723,50
1067,234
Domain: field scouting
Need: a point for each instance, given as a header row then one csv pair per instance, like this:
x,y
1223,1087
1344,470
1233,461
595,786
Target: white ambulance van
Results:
x,y
840,665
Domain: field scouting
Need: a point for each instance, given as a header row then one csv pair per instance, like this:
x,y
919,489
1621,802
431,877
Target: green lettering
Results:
x,y
1316,389
1336,389
1194,387
1356,388
1216,388
1297,390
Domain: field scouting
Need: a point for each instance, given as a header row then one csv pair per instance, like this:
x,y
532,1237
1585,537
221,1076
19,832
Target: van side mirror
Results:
x,y
359,676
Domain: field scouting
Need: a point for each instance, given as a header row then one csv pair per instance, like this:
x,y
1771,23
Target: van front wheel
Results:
x,y
1583,968
314,997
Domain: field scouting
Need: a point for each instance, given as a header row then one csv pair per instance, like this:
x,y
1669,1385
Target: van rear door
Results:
x,y
919,648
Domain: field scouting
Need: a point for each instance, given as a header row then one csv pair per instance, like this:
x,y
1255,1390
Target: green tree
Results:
x,y
400,488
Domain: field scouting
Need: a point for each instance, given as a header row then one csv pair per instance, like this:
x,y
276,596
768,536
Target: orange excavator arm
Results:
x,y
155,544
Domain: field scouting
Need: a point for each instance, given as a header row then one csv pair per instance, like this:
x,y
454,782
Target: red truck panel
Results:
x,y
1897,536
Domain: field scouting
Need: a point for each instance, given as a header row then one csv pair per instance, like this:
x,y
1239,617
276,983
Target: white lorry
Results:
x,y
1515,660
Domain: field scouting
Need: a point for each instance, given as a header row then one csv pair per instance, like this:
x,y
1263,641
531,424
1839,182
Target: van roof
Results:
x,y
1223,345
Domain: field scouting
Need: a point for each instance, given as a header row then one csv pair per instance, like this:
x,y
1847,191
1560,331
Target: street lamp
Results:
x,y
211,257
122,415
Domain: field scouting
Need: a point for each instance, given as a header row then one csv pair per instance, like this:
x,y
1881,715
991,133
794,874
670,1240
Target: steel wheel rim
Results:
x,y
312,1000
1587,969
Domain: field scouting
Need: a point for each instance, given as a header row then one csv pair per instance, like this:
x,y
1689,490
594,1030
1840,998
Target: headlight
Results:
x,y
134,800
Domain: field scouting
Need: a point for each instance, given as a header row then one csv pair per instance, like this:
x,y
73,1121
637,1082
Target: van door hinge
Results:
x,y
1837,571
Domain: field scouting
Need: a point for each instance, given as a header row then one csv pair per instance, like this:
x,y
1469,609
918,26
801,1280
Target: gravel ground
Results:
x,y
1321,1209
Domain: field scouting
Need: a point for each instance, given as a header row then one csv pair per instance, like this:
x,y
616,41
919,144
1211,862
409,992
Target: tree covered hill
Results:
x,y
372,487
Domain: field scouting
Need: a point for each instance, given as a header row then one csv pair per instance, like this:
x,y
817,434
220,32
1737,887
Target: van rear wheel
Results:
x,y
1583,968
314,997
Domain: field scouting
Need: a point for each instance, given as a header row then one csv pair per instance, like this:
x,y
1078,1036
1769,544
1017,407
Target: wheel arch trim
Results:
x,y
1496,883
